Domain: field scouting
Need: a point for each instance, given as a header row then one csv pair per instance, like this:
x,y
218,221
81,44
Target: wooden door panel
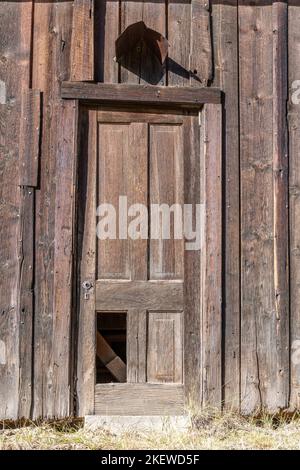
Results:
x,y
164,347
113,147
122,171
166,187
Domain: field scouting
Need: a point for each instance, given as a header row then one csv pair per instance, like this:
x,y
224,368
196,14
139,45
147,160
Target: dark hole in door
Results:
x,y
111,347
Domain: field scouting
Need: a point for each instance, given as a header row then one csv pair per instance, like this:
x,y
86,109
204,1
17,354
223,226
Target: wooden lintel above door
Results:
x,y
104,93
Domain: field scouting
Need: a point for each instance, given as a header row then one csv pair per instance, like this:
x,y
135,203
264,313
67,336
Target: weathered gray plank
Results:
x,y
82,49
25,299
87,194
294,197
211,256
264,319
30,138
201,43
15,207
192,268
63,256
226,77
51,64
28,175
281,382
141,94
140,399
179,37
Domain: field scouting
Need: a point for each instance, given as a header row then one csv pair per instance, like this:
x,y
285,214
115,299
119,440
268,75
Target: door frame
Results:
x,y
205,349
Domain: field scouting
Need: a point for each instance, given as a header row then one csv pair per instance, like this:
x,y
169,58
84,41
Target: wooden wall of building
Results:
x,y
251,50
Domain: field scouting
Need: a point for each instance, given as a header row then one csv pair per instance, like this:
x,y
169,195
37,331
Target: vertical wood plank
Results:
x,y
294,197
154,16
142,67
136,346
15,210
86,351
25,301
257,301
201,43
27,205
131,12
226,77
264,320
179,37
192,268
51,64
63,256
82,49
211,258
281,383
30,138
107,25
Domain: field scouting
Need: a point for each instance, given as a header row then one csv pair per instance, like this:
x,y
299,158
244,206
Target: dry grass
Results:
x,y
210,431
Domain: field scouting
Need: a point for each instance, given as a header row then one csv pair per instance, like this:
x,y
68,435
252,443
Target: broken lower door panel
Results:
x,y
139,322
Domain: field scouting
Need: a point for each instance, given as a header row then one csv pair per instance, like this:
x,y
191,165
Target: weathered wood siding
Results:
x,y
248,49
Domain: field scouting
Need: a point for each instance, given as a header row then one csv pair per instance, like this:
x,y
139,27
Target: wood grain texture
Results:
x,y
281,382
136,345
165,347
264,321
201,64
124,295
166,187
26,299
63,256
226,77
294,198
211,257
50,65
154,16
82,48
131,12
86,350
118,399
107,29
193,165
16,215
179,37
140,65
30,138
140,94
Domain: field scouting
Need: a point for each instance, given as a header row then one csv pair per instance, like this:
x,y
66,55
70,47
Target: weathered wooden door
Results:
x,y
140,289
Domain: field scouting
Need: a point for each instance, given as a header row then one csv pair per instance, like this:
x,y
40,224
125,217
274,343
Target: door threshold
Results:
x,y
119,424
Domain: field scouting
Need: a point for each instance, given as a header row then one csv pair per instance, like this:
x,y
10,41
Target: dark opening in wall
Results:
x,y
111,347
